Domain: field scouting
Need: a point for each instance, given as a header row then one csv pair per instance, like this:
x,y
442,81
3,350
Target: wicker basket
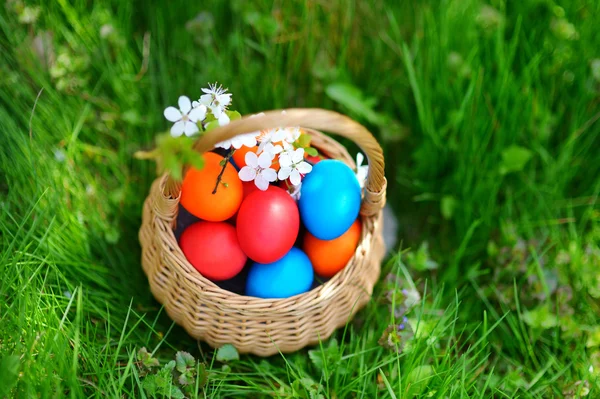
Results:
x,y
266,326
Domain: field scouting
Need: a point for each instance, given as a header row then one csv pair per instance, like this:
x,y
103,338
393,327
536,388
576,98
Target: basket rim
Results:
x,y
326,289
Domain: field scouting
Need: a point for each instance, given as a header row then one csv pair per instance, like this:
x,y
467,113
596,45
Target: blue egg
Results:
x,y
289,276
329,199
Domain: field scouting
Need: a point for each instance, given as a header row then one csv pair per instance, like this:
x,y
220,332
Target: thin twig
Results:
x,y
225,162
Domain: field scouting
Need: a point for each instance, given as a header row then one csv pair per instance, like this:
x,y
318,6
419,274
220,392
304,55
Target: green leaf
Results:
x,y
184,360
353,98
170,366
311,151
304,140
421,260
202,375
9,374
227,353
211,126
186,379
307,388
161,383
418,377
146,358
593,337
514,159
540,318
326,359
233,115
447,206
195,159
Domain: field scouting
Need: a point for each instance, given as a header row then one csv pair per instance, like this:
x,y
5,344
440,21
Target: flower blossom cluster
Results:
x,y
275,148
214,101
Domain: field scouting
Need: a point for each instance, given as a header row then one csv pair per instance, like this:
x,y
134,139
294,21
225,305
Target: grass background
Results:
x,y
488,114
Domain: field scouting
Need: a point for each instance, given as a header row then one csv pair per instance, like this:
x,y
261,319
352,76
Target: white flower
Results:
x,y
267,138
292,134
292,165
185,117
217,100
361,170
258,168
248,140
294,191
285,136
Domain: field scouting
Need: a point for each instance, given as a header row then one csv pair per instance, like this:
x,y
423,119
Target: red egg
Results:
x,y
267,224
314,159
249,187
213,249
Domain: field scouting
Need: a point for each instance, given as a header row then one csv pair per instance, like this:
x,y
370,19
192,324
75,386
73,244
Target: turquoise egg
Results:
x,y
329,199
291,275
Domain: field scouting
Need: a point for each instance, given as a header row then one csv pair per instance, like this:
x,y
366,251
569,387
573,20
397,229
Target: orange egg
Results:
x,y
198,186
239,157
329,257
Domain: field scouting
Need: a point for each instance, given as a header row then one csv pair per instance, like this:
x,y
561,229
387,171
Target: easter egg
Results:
x,y
213,249
239,156
198,186
267,224
329,199
329,257
288,276
248,187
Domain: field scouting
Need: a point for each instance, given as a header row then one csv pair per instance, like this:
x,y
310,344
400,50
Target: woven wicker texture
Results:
x,y
266,326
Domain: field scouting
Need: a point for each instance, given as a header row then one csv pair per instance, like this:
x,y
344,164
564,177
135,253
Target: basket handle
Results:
x,y
313,118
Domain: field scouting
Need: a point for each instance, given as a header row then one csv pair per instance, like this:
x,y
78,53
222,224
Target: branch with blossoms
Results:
x,y
283,147
190,119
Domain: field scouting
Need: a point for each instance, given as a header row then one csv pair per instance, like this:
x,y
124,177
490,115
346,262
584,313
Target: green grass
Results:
x,y
488,115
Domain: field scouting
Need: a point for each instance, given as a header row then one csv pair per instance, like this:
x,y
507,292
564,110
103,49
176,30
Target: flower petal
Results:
x,y
223,119
298,155
249,139
264,160
224,144
172,114
359,159
205,99
278,135
177,129
261,183
285,160
251,159
198,113
190,128
185,104
216,110
224,99
195,104
276,149
247,173
295,177
304,167
261,147
268,174
284,173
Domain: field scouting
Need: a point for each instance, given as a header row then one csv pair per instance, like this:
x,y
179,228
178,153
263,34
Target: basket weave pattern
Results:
x,y
265,326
